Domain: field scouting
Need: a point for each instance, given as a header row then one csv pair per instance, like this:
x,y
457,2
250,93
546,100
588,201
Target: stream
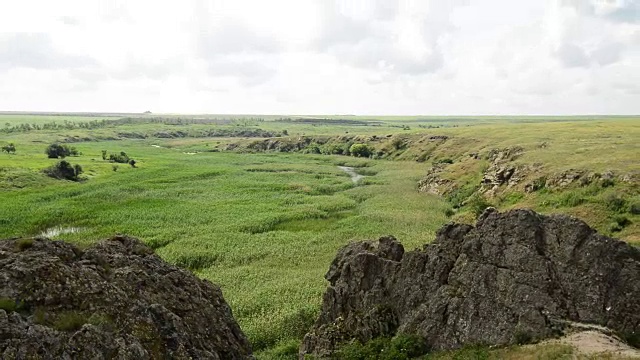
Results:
x,y
59,230
355,177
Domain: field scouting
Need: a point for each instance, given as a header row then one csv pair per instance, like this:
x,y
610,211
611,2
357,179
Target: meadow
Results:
x,y
265,226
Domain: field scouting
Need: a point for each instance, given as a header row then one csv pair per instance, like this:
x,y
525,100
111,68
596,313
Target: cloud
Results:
x,y
36,51
572,55
624,11
322,56
390,37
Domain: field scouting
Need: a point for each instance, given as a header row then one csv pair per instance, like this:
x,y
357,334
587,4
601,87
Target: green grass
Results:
x,y
263,226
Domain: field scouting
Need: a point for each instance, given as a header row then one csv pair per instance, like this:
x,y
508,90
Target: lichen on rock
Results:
x,y
114,300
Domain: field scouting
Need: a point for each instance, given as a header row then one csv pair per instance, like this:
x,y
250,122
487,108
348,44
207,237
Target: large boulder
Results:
x,y
114,300
513,277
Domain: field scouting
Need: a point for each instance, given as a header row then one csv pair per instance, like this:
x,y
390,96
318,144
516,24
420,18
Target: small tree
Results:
x,y
64,170
55,151
104,154
360,150
9,148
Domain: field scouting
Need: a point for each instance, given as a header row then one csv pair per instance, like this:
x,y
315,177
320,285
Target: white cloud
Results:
x,y
322,56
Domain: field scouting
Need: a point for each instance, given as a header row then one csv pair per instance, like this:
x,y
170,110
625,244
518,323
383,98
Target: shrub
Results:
x,y
104,154
621,220
121,158
615,203
398,348
64,171
458,196
9,148
132,163
398,143
335,149
477,204
608,183
634,208
55,151
360,150
619,223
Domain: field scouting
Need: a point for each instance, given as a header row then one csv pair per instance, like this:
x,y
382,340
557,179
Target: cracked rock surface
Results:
x,y
114,300
513,276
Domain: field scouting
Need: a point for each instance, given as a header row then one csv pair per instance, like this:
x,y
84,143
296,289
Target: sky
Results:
x,y
375,57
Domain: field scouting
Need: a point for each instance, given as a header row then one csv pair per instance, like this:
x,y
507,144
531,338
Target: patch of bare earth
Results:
x,y
594,344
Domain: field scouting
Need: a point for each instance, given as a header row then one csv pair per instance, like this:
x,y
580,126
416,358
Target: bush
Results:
x,y
335,149
615,203
55,151
64,171
458,196
121,158
9,148
398,143
477,204
397,348
619,223
634,208
360,150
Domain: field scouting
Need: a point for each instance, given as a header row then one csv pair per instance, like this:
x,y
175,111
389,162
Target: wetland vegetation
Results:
x,y
260,205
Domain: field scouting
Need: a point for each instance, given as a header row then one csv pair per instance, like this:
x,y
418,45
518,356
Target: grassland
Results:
x,y
265,226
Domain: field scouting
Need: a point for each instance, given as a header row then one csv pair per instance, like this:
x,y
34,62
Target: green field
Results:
x,y
266,225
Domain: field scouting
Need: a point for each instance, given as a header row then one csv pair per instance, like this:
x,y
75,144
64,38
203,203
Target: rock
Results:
x,y
504,155
432,183
116,299
565,178
502,172
513,276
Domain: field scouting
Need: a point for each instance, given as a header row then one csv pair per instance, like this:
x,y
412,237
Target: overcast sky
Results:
x,y
422,57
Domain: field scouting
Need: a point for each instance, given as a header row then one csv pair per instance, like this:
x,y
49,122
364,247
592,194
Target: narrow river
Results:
x,y
355,177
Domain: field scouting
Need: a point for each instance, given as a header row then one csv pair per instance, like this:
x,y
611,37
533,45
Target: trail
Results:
x,y
355,177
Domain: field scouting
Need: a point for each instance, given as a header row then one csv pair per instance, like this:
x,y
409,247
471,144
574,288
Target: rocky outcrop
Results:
x,y
433,183
513,277
502,171
114,300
